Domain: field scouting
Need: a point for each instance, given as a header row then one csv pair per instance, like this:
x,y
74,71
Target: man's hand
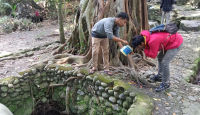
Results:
x,y
125,42
160,10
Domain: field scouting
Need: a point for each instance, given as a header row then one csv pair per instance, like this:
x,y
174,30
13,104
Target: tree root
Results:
x,y
67,101
147,61
74,94
65,83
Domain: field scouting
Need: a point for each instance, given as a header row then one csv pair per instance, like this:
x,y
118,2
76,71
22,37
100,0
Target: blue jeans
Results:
x,y
163,62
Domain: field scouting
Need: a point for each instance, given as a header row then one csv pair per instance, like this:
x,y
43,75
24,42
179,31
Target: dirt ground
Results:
x,y
22,40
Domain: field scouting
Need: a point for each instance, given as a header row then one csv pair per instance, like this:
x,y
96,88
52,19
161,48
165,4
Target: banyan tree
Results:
x,y
77,49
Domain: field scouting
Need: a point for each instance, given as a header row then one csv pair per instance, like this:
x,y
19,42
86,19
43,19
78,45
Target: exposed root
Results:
x,y
53,85
147,61
72,59
74,94
65,83
58,50
79,65
67,101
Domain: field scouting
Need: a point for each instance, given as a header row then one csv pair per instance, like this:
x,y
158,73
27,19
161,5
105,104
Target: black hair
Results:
x,y
136,41
123,15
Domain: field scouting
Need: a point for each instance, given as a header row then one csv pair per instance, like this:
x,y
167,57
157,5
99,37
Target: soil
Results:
x,y
19,41
51,108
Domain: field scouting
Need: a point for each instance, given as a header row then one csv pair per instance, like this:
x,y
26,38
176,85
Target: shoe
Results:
x,y
92,71
156,78
162,86
108,73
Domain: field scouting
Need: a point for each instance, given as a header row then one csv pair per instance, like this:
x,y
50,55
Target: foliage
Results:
x,y
2,7
13,8
12,24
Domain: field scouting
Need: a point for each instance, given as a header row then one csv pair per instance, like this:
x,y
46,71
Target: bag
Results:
x,y
170,28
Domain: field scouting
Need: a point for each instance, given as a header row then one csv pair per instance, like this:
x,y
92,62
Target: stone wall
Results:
x,y
92,94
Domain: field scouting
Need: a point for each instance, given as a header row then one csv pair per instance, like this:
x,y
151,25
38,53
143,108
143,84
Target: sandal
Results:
x,y
92,71
108,73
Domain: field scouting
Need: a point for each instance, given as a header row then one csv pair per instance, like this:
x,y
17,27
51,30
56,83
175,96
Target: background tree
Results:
x,y
60,20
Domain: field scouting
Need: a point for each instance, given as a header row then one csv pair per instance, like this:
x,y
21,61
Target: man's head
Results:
x,y
138,41
121,19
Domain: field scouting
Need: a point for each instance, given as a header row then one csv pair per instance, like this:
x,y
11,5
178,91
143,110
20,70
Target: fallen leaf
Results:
x,y
129,83
167,103
150,89
156,107
174,113
155,99
169,94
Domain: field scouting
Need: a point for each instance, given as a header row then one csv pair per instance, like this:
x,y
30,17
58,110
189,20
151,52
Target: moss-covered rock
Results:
x,y
25,108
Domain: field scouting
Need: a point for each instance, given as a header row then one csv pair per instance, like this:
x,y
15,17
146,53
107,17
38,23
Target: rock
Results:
x,y
80,92
95,78
112,99
192,98
89,78
111,92
189,25
125,105
98,82
132,94
118,88
116,94
101,88
4,89
105,95
116,107
44,100
122,96
119,101
10,85
104,84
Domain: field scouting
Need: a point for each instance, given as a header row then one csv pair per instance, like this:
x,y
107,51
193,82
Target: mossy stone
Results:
x,y
109,111
4,89
125,105
26,108
111,92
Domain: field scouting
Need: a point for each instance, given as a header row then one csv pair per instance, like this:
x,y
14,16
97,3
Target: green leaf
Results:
x,y
8,5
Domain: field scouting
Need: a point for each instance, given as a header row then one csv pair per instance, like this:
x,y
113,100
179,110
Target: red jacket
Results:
x,y
37,13
154,41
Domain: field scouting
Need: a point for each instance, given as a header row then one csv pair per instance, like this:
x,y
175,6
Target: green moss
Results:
x,y
143,105
64,68
122,84
25,108
7,79
12,108
26,71
105,79
84,71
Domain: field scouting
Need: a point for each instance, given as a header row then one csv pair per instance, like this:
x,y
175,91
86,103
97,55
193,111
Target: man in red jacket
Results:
x,y
168,45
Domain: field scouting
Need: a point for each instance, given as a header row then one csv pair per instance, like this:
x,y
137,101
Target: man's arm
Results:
x,y
116,32
119,40
161,5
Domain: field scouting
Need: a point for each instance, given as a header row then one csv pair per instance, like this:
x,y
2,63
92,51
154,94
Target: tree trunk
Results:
x,y
62,36
91,11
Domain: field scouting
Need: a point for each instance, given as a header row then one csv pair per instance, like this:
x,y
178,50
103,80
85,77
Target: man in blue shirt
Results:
x,y
104,30
166,7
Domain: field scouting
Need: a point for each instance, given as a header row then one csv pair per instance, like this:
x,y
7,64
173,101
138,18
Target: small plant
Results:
x,y
13,8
